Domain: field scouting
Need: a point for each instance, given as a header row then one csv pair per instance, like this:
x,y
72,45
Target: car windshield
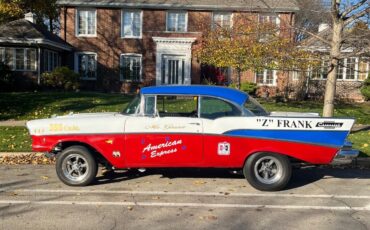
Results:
x,y
252,106
132,106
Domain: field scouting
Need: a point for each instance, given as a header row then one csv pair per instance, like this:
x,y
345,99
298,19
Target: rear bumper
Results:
x,y
345,155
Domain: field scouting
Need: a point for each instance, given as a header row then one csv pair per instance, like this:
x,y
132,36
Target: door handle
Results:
x,y
194,123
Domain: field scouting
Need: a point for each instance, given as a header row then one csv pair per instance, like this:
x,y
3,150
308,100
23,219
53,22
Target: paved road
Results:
x,y
31,197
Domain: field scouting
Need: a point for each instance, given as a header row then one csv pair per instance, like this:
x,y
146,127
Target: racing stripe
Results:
x,y
327,138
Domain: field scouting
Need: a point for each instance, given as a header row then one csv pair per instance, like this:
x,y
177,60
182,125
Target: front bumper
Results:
x,y
345,155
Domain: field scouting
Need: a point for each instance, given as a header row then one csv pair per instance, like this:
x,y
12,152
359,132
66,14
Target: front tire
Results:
x,y
76,166
268,171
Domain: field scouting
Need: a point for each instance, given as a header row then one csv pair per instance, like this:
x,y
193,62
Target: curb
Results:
x,y
361,162
16,154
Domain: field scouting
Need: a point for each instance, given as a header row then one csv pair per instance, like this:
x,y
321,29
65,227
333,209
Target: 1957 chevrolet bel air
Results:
x,y
191,126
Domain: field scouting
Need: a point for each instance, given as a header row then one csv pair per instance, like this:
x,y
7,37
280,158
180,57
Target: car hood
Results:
x,y
78,124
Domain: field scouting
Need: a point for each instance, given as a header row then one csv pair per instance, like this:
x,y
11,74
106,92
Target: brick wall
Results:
x,y
109,45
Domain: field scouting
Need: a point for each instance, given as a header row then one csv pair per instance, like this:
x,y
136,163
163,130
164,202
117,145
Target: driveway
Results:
x,y
31,197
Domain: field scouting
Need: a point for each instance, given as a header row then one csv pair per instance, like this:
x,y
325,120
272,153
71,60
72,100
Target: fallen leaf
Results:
x,y
198,182
45,177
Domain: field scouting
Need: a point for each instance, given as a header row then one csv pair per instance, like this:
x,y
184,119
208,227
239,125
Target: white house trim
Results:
x,y
173,46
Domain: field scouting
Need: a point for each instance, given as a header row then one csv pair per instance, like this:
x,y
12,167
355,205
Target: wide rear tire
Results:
x,y
268,171
76,166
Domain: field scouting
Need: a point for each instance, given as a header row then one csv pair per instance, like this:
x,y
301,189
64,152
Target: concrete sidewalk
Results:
x,y
13,123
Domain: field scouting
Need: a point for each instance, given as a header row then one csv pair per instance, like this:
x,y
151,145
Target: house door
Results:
x,y
173,70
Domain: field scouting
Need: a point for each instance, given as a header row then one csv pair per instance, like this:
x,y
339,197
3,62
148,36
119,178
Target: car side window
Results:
x,y
213,108
149,105
177,106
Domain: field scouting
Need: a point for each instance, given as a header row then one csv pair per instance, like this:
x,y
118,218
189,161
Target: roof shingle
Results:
x,y
245,5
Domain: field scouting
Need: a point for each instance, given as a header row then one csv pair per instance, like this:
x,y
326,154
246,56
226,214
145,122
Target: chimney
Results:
x,y
323,26
31,17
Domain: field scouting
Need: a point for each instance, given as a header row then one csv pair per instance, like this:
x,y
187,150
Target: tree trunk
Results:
x,y
331,81
239,78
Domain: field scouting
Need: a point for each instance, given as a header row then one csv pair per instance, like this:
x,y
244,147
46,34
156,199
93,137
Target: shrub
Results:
x,y
365,90
248,87
6,77
61,78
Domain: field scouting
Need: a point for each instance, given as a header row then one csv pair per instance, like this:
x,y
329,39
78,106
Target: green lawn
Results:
x,y
17,139
26,106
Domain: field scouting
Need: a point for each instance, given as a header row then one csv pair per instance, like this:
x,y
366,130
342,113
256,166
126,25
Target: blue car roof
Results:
x,y
226,93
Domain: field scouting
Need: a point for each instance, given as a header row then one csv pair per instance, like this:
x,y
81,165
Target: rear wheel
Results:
x,y
76,166
268,171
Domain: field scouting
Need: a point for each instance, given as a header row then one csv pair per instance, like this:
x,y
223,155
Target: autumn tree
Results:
x,y
251,46
9,11
45,10
343,16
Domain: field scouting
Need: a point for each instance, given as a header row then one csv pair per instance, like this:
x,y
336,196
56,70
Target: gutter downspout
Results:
x,y
39,65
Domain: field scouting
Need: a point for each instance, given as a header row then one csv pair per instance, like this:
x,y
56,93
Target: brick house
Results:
x,y
352,71
121,44
29,50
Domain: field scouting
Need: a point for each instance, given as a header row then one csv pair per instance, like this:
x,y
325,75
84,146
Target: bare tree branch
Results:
x,y
349,10
357,16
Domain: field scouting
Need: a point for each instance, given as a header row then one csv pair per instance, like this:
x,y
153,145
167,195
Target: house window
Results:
x,y
51,60
131,24
321,72
351,69
177,21
86,22
21,59
222,20
86,64
363,69
130,67
269,18
266,77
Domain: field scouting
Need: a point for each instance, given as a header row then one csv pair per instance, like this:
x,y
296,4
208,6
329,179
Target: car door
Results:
x,y
169,134
216,115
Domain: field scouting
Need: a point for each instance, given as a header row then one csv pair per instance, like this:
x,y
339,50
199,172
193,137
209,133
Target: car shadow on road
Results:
x,y
311,174
300,177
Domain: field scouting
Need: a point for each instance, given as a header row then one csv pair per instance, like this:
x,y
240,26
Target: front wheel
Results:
x,y
267,171
76,166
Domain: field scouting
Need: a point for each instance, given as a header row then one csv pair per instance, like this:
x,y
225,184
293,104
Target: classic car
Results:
x,y
192,126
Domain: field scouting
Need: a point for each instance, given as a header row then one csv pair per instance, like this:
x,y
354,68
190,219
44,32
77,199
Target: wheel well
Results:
x,y
66,144
291,159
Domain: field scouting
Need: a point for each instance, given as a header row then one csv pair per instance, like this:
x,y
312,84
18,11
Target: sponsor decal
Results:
x,y
116,154
165,127
223,148
61,128
329,124
285,123
164,148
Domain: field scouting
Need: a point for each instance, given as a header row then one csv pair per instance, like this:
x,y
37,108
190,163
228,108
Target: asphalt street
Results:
x,y
32,197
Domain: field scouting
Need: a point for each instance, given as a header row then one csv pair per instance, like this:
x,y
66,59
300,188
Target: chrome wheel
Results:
x,y
268,170
75,167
